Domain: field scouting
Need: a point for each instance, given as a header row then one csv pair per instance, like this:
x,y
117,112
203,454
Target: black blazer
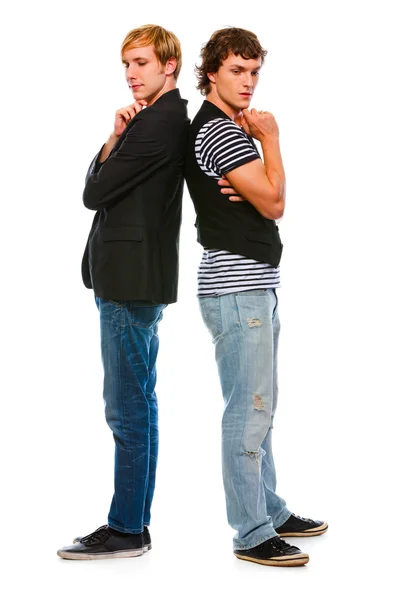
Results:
x,y
132,250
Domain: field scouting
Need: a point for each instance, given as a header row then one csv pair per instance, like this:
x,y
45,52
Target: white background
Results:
x,y
330,78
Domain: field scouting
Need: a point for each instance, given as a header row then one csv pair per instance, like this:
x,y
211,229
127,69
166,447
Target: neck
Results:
x,y
233,112
170,84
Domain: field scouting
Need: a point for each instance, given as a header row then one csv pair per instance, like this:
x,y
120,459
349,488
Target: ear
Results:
x,y
170,66
211,77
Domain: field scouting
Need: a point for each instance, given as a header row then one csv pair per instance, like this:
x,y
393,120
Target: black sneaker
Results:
x,y
274,552
146,538
296,526
104,543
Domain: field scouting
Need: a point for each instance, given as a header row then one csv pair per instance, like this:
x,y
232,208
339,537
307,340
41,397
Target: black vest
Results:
x,y
221,224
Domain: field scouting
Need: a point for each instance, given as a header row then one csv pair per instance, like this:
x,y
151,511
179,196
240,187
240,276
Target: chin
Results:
x,y
245,103
239,106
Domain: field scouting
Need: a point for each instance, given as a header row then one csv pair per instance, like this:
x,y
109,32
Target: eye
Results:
x,y
141,64
236,71
256,73
125,65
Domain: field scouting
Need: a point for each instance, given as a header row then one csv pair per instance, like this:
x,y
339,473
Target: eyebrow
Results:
x,y
242,68
135,59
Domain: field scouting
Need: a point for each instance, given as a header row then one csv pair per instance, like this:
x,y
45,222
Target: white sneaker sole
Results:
x,y
117,554
307,533
280,561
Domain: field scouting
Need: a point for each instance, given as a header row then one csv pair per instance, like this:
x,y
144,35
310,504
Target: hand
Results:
x,y
124,115
259,124
227,189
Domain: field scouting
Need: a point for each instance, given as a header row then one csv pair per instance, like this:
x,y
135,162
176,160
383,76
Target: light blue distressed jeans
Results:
x,y
245,329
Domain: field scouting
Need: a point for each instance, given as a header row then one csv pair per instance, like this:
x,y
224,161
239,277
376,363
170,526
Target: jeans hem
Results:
x,y
254,545
124,529
286,515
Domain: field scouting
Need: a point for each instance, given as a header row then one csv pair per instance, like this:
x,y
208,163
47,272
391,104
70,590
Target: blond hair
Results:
x,y
166,44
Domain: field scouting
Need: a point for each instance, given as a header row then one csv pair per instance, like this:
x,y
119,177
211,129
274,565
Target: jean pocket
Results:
x,y
116,303
275,311
211,313
146,316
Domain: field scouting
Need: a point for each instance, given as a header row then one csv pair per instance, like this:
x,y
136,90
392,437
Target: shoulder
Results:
x,y
219,134
148,123
218,130
218,125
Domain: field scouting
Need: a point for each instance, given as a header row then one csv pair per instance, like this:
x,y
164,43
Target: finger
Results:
x,y
228,190
237,199
124,115
137,107
122,110
223,181
248,117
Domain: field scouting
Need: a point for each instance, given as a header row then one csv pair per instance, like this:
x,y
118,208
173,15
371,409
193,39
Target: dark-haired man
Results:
x,y
237,282
135,186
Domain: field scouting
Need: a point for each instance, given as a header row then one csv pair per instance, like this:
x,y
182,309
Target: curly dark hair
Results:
x,y
223,42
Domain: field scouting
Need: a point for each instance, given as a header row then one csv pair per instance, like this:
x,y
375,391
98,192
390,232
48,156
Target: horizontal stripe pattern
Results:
x,y
221,146
222,272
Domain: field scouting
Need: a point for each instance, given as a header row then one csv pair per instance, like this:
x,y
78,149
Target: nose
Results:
x,y
247,80
130,72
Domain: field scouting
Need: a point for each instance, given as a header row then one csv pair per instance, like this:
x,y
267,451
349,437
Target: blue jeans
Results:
x,y
245,330
129,346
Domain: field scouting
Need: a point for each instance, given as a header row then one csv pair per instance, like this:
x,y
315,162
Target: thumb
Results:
x,y
247,118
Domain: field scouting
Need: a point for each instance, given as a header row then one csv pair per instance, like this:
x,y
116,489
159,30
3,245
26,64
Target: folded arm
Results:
x,y
142,152
262,184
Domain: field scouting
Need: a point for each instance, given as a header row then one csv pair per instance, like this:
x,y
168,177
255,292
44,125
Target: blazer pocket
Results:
x,y
123,234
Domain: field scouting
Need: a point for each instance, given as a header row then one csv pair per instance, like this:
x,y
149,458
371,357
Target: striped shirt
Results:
x,y
220,147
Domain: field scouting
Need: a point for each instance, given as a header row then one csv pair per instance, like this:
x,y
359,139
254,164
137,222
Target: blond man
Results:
x,y
135,185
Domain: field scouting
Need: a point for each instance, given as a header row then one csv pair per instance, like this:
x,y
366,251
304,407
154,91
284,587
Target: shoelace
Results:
x,y
279,543
302,518
100,535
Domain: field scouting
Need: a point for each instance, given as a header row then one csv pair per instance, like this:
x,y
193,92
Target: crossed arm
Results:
x,y
139,156
261,184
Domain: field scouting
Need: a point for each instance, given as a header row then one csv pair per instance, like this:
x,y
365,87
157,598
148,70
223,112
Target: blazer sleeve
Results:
x,y
95,165
143,151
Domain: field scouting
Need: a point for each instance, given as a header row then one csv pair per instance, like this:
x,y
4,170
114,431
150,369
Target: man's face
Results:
x,y
144,74
236,80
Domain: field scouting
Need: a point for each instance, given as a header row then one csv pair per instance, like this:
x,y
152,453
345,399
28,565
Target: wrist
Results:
x,y
113,138
270,144
270,138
